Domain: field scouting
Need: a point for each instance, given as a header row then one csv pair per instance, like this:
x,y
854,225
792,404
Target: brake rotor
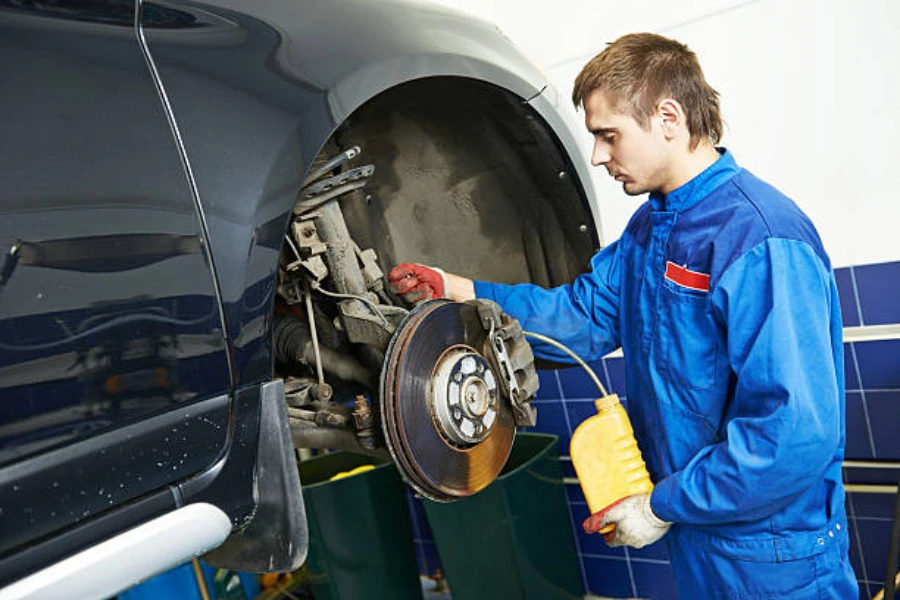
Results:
x,y
446,421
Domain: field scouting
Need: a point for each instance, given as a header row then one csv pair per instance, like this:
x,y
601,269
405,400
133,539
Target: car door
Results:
x,y
114,372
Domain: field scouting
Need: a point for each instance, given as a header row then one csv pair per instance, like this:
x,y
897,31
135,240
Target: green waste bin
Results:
x,y
513,540
360,537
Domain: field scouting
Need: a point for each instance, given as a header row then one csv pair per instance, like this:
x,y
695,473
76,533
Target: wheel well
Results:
x,y
468,177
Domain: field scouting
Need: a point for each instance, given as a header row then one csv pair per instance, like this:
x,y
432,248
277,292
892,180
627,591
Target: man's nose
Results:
x,y
600,155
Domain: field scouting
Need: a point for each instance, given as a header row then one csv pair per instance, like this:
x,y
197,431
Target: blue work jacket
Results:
x,y
725,306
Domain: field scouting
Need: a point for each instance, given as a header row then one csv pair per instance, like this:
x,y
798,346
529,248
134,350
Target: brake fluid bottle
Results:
x,y
606,457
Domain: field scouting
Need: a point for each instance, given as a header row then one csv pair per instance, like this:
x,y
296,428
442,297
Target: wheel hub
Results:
x,y
464,396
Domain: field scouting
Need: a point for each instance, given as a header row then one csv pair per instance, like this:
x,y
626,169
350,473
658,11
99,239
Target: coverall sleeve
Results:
x,y
784,420
583,315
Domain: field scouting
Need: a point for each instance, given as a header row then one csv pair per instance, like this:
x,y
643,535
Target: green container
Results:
x,y
513,540
360,538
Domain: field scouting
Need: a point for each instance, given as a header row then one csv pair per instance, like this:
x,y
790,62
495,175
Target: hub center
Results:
x,y
463,396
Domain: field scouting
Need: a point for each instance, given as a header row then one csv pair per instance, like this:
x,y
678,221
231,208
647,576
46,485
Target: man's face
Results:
x,y
634,156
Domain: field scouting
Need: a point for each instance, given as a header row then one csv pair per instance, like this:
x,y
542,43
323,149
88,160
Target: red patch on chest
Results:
x,y
684,277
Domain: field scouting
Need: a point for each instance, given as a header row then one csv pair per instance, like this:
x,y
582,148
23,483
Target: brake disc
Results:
x,y
445,418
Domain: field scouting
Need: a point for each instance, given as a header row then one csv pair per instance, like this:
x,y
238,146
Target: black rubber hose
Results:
x,y
290,336
890,580
293,344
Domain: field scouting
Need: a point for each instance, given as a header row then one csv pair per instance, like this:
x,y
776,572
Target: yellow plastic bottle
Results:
x,y
606,457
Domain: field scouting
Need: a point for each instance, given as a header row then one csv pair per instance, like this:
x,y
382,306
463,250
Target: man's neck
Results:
x,y
689,165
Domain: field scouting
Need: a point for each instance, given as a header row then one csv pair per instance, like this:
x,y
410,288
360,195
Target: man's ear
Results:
x,y
672,116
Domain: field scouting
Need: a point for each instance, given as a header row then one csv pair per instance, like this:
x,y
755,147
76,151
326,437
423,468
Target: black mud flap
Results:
x,y
277,537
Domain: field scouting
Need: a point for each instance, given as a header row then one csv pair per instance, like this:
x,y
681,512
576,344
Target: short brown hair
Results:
x,y
639,69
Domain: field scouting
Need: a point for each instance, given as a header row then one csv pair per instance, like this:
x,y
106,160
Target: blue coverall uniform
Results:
x,y
725,305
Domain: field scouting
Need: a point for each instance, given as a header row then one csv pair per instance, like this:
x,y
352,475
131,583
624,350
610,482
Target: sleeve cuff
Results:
x,y
652,516
484,290
661,499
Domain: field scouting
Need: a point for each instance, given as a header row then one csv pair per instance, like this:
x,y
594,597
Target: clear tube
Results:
x,y
577,358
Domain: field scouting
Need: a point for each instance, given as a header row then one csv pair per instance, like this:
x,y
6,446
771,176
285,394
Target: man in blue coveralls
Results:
x,y
724,303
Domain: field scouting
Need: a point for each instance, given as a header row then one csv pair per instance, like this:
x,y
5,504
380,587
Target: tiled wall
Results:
x,y
870,295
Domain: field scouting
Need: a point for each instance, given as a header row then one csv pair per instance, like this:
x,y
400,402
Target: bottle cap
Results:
x,y
606,402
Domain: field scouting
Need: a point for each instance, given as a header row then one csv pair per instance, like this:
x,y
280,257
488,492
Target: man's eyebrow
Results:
x,y
603,130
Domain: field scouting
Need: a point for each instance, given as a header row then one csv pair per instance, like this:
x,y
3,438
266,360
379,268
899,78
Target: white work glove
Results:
x,y
635,523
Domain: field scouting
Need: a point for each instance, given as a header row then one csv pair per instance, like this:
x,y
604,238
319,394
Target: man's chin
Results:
x,y
632,189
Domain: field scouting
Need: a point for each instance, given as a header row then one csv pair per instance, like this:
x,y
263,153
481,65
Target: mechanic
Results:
x,y
725,306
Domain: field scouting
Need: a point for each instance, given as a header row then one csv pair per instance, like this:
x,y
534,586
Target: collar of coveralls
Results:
x,y
695,190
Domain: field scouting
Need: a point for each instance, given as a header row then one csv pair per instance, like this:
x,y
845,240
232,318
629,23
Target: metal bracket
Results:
x,y
372,273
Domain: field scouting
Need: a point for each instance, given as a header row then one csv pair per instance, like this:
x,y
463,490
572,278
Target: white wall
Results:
x,y
807,86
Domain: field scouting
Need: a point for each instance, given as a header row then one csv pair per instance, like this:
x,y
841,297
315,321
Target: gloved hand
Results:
x,y
636,525
417,283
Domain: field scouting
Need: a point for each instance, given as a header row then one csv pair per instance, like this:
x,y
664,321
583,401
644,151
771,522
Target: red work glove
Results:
x,y
635,523
417,283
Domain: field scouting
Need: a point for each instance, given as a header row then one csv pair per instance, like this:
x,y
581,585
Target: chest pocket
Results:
x,y
688,338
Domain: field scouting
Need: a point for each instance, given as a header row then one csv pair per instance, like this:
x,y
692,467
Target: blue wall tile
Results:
x,y
655,581
574,494
879,291
430,561
421,528
551,418
875,536
576,383
867,476
858,445
608,577
865,592
420,558
657,552
856,563
884,408
549,389
879,364
411,503
851,381
844,279
579,411
591,543
878,506
616,369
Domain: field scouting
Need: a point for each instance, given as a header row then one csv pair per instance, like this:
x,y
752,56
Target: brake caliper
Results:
x,y
511,359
